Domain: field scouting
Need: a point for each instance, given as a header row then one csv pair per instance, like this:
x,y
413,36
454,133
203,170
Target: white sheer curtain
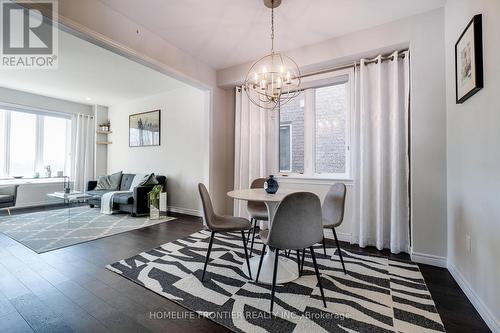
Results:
x,y
251,148
82,162
381,214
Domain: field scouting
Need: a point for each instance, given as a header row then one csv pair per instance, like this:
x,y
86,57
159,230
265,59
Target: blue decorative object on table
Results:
x,y
271,185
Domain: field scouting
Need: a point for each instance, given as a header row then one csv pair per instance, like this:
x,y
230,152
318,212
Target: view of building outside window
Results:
x,y
330,129
292,133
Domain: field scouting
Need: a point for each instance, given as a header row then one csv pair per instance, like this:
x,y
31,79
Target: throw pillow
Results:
x,y
151,180
137,181
111,182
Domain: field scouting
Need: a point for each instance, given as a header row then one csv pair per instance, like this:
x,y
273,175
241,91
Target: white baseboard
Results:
x,y
485,313
187,211
428,259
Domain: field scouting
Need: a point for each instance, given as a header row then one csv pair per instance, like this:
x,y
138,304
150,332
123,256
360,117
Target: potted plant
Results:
x,y
105,127
154,202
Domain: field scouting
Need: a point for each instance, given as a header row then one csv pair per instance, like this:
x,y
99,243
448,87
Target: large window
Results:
x,y
29,142
315,129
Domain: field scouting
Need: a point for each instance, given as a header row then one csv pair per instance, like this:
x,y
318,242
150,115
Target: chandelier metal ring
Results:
x,y
274,79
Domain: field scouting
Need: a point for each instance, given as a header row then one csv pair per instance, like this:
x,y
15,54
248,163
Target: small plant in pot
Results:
x,y
105,127
154,202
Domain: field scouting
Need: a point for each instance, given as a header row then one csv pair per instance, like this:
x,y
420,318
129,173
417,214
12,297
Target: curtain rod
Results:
x,y
357,63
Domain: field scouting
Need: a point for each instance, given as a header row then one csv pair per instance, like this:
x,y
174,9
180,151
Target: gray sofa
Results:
x,y
8,196
135,203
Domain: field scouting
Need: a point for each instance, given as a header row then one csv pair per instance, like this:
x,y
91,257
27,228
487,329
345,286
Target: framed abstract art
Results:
x,y
144,129
469,60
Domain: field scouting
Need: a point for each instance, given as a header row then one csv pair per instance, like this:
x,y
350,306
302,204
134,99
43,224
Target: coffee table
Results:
x,y
69,198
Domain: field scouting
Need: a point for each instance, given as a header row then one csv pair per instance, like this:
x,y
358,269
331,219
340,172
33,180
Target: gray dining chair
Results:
x,y
8,196
296,226
221,223
333,209
256,210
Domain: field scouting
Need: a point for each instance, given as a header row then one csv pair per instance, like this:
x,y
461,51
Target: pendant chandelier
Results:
x,y
274,79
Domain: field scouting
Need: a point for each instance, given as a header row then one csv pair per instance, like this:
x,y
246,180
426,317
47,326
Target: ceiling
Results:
x,y
91,75
223,33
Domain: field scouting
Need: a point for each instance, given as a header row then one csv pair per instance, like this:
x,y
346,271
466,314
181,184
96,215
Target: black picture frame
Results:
x,y
155,115
475,63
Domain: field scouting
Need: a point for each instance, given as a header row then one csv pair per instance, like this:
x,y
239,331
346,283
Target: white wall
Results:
x,y
23,98
183,154
473,141
424,35
103,26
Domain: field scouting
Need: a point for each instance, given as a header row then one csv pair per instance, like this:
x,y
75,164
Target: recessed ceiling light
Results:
x,y
88,98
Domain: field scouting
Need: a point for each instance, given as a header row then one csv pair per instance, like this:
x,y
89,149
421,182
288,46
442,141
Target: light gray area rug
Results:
x,y
377,295
53,229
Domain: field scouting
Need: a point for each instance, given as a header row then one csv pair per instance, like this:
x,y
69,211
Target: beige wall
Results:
x,y
424,35
473,140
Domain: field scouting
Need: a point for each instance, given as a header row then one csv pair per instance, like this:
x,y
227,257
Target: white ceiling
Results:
x,y
88,71
223,33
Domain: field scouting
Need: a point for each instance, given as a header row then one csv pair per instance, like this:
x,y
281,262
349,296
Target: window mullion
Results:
x,y
7,144
39,143
309,132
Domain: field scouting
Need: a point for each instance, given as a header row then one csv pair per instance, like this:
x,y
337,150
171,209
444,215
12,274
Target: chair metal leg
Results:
x,y
277,254
298,263
208,254
253,237
338,248
8,210
324,245
260,261
317,275
246,253
250,230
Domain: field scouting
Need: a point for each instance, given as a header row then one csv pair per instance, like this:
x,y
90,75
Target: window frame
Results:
x,y
39,135
309,84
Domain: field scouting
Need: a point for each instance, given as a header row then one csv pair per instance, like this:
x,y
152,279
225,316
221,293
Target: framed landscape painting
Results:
x,y
469,60
144,129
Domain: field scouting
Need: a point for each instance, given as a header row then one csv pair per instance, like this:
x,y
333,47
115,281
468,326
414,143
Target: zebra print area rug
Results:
x,y
377,295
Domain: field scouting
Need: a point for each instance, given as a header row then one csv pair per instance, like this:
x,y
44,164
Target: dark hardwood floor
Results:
x,y
70,290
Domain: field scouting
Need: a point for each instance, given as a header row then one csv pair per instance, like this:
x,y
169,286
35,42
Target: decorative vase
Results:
x,y
154,213
271,185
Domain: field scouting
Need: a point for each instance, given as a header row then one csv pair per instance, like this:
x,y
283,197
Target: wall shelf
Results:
x,y
104,142
104,132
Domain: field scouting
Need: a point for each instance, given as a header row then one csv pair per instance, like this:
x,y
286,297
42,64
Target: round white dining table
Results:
x,y
287,269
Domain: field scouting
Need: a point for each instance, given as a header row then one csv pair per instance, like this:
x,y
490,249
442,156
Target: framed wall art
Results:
x,y
144,129
469,60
